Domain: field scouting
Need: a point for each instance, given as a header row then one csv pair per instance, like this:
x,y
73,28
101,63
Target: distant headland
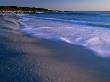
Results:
x,y
15,9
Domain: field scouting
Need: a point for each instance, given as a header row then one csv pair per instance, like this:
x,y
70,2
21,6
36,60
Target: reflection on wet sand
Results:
x,y
26,59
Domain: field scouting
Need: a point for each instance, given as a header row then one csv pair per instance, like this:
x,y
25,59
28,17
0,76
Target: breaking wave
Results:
x,y
95,38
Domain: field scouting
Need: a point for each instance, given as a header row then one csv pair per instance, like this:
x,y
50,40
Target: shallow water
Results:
x,y
88,29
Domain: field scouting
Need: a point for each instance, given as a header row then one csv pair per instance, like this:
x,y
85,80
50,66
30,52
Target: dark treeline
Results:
x,y
22,9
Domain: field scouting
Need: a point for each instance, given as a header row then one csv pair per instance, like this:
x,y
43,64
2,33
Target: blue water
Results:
x,y
101,19
88,29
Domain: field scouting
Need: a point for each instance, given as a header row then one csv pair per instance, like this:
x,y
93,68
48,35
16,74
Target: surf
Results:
x,y
94,38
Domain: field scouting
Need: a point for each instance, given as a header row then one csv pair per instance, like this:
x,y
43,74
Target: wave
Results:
x,y
85,18
95,38
82,22
9,23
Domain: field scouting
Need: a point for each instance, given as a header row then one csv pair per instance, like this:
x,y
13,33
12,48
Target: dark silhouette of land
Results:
x,y
23,9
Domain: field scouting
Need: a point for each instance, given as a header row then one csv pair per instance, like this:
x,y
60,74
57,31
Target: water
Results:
x,y
101,19
89,29
25,59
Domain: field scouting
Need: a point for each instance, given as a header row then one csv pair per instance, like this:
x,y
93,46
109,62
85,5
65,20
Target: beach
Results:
x,y
24,58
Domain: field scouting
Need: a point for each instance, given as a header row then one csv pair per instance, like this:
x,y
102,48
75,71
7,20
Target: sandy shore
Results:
x,y
28,59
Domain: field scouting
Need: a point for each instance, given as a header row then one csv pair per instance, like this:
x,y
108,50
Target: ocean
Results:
x,y
88,29
55,47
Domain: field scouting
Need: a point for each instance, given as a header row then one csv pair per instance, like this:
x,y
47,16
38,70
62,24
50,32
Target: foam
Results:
x,y
95,38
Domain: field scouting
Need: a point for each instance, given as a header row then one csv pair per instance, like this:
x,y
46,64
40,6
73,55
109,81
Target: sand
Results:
x,y
27,59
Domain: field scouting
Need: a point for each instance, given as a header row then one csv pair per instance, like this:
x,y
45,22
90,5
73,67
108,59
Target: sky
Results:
x,y
74,5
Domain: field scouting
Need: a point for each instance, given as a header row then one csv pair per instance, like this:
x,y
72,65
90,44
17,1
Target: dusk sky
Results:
x,y
62,4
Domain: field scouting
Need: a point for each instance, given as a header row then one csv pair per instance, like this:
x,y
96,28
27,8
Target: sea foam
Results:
x,y
94,38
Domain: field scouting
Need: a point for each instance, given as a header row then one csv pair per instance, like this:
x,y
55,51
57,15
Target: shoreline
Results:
x,y
28,59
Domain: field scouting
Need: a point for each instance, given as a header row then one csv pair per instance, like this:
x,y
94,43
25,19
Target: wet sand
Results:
x,y
27,59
